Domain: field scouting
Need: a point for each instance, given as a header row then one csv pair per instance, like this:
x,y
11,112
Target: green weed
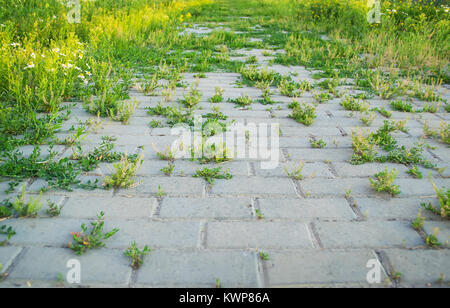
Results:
x,y
84,240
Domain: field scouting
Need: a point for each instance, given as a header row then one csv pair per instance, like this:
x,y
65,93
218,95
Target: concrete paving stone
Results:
x,y
312,170
320,154
27,150
420,187
89,147
242,113
391,208
97,267
345,169
336,187
7,256
350,129
367,234
441,151
199,269
306,209
114,207
253,186
361,187
39,184
308,131
320,268
169,185
258,234
120,140
421,268
189,168
43,231
217,208
282,121
158,144
333,143
154,233
443,229
139,130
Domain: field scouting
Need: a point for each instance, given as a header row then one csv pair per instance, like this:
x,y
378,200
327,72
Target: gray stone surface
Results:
x,y
115,207
443,231
320,268
254,186
200,269
367,234
306,209
421,268
7,256
258,235
216,208
46,264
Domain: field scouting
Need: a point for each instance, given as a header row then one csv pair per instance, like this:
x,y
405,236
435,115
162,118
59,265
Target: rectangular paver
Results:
x,y
97,267
258,235
199,269
367,234
320,268
306,209
421,268
218,208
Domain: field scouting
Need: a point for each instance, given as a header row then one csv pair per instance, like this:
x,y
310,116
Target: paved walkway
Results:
x,y
314,233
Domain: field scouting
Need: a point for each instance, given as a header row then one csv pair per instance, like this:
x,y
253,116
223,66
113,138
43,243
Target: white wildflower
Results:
x,y
30,65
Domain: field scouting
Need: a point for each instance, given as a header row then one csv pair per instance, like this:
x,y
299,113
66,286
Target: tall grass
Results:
x,y
44,60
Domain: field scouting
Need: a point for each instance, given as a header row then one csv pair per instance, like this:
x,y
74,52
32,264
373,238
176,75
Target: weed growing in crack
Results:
x,y
53,209
418,222
264,256
431,240
296,172
125,171
304,114
385,113
84,240
193,97
318,144
168,170
353,104
160,193
136,255
211,174
385,182
9,232
168,155
149,86
259,214
322,97
218,95
364,148
26,208
210,152
289,88
442,134
399,105
241,101
443,196
367,118
155,123
415,172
